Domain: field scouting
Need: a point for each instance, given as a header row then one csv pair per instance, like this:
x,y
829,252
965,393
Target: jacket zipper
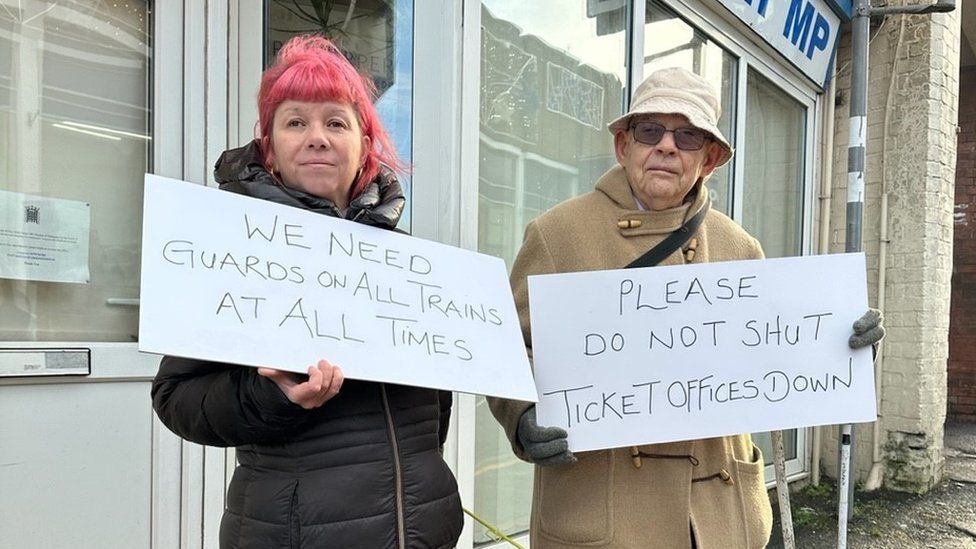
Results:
x,y
391,428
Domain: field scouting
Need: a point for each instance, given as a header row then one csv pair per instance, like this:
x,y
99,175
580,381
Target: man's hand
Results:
x,y
545,446
323,383
868,330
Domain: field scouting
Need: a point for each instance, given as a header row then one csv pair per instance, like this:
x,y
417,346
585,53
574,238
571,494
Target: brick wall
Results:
x,y
911,146
962,325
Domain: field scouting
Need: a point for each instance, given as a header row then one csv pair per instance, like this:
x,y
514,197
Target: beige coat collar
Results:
x,y
632,221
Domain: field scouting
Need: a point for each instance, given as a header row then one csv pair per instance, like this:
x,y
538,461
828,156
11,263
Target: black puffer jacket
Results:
x,y
364,470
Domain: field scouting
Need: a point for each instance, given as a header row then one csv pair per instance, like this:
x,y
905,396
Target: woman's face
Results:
x,y
318,148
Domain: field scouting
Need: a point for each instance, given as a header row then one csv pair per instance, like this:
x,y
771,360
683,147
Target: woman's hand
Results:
x,y
323,383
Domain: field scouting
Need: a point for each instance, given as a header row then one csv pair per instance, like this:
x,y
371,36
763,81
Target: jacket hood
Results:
x,y
242,171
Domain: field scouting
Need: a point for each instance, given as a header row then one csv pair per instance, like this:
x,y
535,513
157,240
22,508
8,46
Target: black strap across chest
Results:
x,y
673,241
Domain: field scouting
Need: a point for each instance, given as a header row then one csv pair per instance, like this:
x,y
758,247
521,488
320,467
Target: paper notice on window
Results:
x,y
44,239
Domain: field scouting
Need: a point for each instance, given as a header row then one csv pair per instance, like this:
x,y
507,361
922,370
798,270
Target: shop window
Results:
x,y
542,139
670,41
552,77
497,210
772,209
547,183
74,145
377,37
772,190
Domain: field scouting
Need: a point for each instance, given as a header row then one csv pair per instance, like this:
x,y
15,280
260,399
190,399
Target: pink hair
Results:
x,y
311,68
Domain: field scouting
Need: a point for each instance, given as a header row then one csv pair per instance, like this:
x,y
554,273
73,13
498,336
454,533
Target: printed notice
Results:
x,y
44,239
234,279
641,356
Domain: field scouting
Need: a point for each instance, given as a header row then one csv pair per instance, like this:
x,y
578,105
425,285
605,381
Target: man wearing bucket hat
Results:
x,y
698,493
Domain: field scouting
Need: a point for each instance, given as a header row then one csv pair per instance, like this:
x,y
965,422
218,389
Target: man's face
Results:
x,y
661,175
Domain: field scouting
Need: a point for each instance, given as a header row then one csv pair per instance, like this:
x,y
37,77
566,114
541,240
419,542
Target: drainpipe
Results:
x,y
876,475
823,241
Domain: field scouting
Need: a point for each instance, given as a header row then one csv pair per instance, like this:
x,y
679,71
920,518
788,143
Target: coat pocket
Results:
x,y
574,502
757,513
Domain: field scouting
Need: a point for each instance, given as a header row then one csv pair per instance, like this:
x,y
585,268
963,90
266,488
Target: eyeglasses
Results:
x,y
686,139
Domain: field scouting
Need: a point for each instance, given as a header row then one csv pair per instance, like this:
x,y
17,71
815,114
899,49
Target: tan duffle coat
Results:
x,y
714,487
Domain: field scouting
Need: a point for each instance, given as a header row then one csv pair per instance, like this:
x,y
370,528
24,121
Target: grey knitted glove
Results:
x,y
545,446
868,330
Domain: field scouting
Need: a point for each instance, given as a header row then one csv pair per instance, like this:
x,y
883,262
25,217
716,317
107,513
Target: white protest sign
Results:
x,y
640,356
234,279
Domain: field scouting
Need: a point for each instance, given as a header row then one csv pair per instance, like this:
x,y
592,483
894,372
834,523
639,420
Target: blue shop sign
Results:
x,y
844,8
804,31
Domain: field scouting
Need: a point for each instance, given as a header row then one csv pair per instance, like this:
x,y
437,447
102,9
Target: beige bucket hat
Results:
x,y
678,91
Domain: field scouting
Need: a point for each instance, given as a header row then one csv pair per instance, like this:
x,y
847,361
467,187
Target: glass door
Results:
x,y
76,138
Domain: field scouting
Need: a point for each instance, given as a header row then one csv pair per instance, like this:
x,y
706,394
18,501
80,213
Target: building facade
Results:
x,y
501,106
907,237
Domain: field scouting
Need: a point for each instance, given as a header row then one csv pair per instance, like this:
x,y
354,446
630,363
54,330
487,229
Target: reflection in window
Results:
x,y
774,160
671,42
552,77
377,37
74,127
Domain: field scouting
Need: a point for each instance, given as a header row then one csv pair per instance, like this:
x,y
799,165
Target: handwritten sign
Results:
x,y
234,279
662,354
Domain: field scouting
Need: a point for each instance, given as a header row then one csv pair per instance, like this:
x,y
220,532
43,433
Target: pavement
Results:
x,y
960,452
943,518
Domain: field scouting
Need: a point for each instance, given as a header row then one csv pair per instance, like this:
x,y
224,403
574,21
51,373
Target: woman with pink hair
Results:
x,y
322,461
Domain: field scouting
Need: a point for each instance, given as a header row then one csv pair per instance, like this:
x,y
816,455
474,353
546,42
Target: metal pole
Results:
x,y
860,31
783,490
855,207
